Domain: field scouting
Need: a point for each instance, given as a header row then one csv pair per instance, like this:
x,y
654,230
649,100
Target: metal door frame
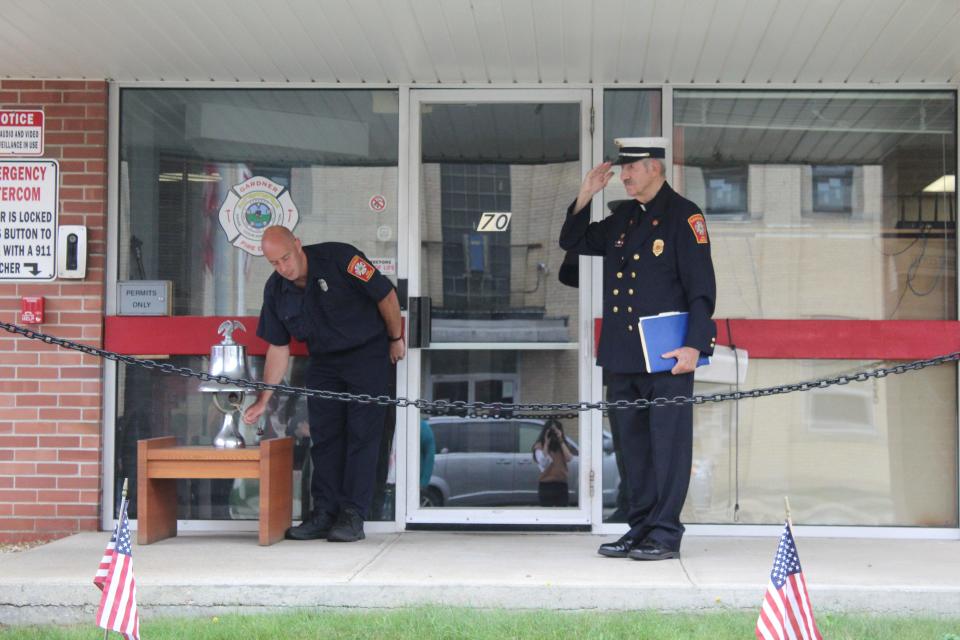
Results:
x,y
411,513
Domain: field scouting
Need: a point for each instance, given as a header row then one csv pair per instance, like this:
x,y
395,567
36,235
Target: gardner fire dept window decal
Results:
x,y
252,206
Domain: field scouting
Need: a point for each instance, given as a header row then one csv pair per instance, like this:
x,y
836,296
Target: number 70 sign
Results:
x,y
494,221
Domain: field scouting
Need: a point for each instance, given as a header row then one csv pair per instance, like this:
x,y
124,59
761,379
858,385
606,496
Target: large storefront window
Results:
x,y
182,153
855,454
818,201
820,207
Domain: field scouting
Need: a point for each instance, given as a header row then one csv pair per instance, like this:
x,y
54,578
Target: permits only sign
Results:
x,y
21,133
28,219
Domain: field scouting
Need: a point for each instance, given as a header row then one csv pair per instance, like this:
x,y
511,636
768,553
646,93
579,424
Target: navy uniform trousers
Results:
x,y
657,450
346,435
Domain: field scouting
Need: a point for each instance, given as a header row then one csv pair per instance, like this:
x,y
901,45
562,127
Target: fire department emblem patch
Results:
x,y
360,268
699,227
252,206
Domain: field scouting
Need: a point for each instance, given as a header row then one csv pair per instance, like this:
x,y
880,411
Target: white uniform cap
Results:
x,y
633,149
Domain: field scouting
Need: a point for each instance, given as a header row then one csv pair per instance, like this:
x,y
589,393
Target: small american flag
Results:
x,y
114,577
786,612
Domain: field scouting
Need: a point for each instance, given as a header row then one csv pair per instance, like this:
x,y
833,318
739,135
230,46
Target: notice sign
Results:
x,y
144,297
21,133
28,219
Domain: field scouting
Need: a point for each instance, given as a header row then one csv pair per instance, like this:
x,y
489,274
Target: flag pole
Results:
x,y
786,504
123,499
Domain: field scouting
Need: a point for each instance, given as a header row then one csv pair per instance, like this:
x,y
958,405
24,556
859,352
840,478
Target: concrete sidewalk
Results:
x,y
209,574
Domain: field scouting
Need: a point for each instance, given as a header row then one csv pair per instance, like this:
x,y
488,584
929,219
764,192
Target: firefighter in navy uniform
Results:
x,y
656,258
329,296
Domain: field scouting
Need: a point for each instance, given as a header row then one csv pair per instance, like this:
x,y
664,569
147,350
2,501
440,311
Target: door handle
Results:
x,y
402,293
420,322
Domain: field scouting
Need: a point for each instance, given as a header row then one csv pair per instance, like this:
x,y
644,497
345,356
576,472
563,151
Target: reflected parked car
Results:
x,y
488,463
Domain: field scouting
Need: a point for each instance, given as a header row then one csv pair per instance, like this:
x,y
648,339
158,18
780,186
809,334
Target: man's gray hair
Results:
x,y
661,168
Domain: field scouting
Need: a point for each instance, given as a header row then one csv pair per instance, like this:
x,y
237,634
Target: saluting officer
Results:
x,y
656,258
330,296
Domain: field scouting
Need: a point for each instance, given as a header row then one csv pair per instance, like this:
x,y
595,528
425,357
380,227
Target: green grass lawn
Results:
x,y
434,622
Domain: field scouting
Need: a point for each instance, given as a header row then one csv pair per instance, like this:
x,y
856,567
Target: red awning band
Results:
x,y
770,339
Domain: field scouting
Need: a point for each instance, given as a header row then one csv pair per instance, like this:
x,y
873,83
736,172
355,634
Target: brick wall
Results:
x,y
51,398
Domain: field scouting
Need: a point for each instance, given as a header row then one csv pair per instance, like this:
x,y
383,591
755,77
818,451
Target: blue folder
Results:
x,y
661,334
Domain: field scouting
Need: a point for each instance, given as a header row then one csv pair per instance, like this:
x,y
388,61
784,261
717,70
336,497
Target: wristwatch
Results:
x,y
392,339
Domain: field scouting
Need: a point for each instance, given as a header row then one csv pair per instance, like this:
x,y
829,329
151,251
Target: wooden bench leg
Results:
x,y
156,497
276,489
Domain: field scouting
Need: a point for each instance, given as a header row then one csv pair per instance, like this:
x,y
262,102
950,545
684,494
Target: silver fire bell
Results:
x,y
228,359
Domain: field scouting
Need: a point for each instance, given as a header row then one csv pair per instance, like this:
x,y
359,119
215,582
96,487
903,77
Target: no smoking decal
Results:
x,y
378,203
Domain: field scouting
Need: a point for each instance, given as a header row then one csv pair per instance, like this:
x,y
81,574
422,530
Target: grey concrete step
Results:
x,y
210,574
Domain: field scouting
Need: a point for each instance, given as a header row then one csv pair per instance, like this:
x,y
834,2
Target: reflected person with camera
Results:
x,y
552,455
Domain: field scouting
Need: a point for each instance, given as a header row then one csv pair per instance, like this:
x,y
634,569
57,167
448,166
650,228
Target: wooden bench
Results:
x,y
160,462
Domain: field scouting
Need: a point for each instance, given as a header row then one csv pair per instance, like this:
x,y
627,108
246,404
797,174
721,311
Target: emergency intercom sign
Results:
x,y
28,219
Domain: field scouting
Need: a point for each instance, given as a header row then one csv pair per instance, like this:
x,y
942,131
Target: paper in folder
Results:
x,y
661,334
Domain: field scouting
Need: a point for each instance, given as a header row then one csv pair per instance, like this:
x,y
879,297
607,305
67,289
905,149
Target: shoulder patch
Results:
x,y
360,268
699,227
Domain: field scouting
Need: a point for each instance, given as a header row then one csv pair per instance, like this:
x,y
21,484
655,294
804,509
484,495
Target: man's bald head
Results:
x,y
285,253
278,235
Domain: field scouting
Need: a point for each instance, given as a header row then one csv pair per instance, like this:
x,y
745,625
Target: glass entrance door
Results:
x,y
492,173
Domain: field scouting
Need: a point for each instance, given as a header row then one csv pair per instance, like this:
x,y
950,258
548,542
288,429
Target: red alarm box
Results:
x,y
31,310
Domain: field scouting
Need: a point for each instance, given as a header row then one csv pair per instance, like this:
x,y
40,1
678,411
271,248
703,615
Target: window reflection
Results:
x,y
481,462
629,113
488,463
181,152
497,282
828,192
152,404
726,190
818,209
833,188
476,265
845,455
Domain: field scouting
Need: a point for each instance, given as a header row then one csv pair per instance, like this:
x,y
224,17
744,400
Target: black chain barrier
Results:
x,y
567,410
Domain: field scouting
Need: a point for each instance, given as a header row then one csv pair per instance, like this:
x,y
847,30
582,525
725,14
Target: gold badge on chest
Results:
x,y
657,247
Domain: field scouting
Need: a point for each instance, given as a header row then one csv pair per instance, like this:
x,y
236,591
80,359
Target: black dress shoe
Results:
x,y
314,528
347,528
619,549
652,551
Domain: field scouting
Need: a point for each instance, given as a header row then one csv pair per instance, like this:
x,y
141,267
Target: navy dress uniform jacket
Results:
x,y
656,259
336,310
